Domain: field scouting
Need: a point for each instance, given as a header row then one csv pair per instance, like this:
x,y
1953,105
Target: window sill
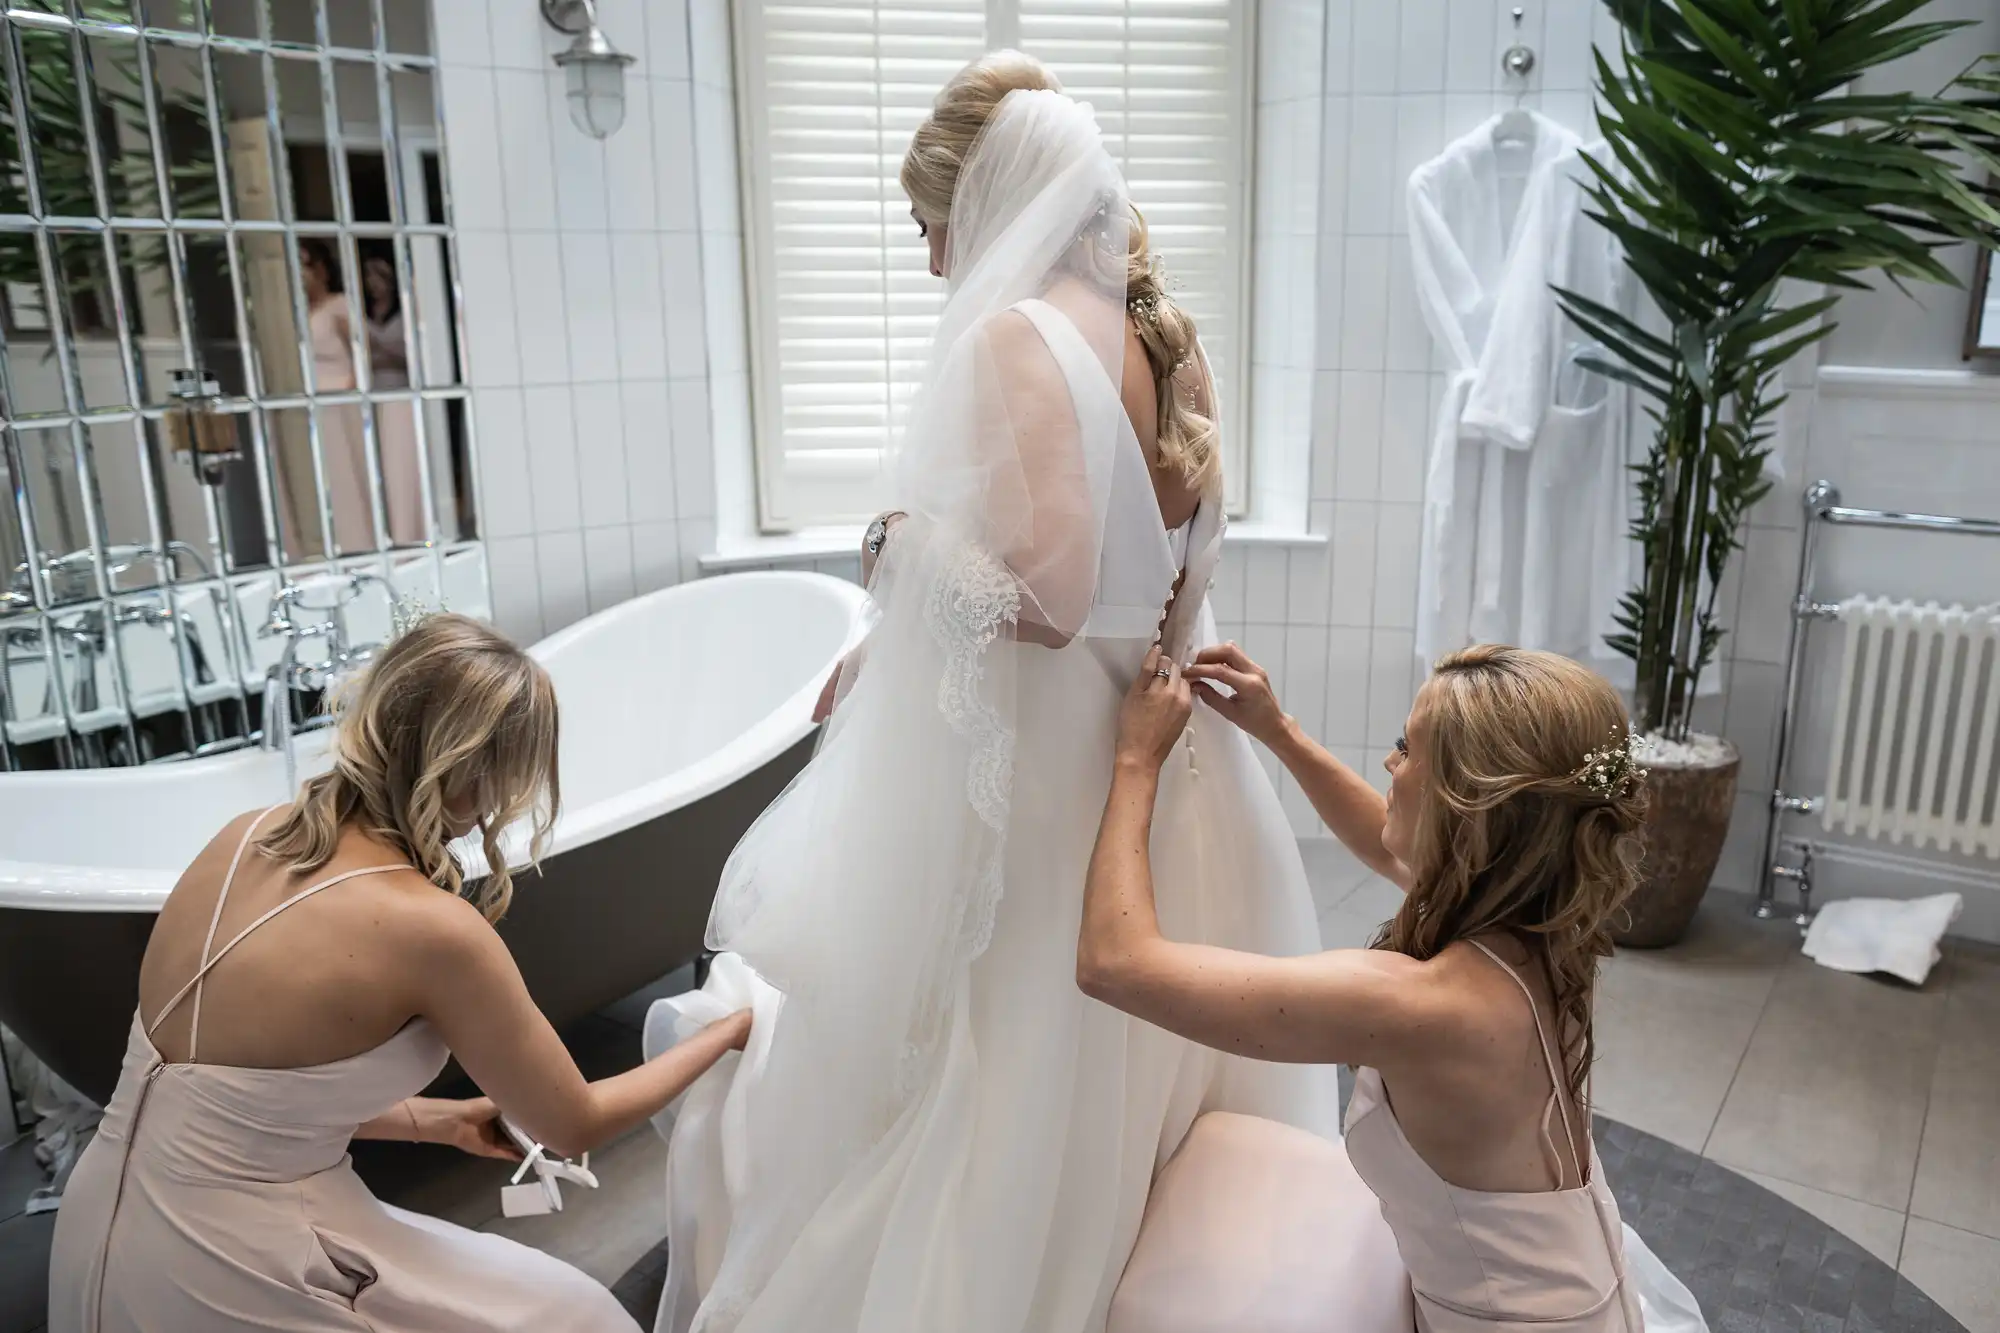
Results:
x,y
1249,533
845,544
752,552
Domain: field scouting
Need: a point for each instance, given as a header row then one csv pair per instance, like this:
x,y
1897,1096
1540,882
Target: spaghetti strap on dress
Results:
x,y
216,1197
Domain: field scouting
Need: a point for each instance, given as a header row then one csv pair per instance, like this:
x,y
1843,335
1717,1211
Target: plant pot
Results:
x,y
1686,824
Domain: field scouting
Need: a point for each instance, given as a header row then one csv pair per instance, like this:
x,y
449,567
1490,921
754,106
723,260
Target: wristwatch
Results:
x,y
878,534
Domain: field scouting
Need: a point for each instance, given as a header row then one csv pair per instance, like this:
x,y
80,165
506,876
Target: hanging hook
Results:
x,y
1518,60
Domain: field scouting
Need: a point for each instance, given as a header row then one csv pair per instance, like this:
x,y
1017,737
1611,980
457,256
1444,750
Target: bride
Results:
x,y
932,1129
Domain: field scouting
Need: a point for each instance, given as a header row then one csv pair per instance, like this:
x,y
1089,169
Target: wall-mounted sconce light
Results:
x,y
594,68
196,430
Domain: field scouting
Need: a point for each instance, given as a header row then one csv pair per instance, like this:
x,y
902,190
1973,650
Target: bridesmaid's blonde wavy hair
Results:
x,y
1188,440
451,716
1518,831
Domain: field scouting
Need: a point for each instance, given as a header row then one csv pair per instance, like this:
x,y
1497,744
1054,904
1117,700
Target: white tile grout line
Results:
x,y
1948,964
1907,1212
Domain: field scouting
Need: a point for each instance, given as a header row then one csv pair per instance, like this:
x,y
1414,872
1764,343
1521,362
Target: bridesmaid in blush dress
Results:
x,y
395,423
1512,825
342,446
311,973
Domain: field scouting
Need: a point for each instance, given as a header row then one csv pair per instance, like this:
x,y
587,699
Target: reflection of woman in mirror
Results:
x,y
395,423
340,436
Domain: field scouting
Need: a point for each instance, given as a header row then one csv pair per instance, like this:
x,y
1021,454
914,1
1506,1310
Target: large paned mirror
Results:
x,y
231,356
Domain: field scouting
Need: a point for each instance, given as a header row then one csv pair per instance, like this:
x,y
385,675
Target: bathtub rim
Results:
x,y
68,887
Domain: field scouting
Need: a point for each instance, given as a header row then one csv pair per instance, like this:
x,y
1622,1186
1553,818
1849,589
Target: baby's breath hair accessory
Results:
x,y
1612,770
1146,306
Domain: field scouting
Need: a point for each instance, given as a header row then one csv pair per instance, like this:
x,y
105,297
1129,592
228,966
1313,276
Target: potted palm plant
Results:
x,y
1743,166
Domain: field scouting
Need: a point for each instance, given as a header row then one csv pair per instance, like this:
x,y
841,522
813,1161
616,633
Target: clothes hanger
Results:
x,y
1518,127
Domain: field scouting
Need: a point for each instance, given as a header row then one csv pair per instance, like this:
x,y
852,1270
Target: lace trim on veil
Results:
x,y
972,599
974,596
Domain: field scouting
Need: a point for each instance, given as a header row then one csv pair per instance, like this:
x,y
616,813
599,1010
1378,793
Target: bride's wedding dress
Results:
x,y
933,1130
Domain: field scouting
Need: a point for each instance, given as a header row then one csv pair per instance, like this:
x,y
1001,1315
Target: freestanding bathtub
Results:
x,y
684,714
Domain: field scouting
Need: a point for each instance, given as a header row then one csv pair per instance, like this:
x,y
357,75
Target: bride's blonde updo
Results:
x,y
938,152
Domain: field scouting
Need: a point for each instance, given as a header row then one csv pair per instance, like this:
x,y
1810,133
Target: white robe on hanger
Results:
x,y
1578,558
1529,496
1485,247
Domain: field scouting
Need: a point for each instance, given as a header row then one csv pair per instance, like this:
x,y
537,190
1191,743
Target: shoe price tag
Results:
x,y
530,1200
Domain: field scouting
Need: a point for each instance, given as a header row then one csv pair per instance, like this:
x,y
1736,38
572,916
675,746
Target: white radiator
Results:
x,y
1916,726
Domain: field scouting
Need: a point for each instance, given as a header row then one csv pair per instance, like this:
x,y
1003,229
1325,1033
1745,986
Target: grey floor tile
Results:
x,y
1833,1088
1673,1024
1332,871
20,1175
1354,921
1958,1169
1876,1230
1374,897
607,1230
1340,928
24,1272
1958,1270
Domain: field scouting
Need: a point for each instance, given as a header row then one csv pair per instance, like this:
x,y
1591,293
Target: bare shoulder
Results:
x,y
1460,1004
442,929
1489,1008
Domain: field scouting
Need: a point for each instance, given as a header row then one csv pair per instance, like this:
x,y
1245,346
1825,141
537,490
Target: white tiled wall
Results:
x,y
1334,622
1285,228
605,298
591,344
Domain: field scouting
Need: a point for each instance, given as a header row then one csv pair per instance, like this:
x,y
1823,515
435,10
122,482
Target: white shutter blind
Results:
x,y
842,300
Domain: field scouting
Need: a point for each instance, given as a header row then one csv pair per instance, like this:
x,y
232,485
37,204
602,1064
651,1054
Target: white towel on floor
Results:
x,y
1899,937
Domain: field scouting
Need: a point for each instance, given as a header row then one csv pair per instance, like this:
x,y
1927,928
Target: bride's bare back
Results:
x,y
1139,392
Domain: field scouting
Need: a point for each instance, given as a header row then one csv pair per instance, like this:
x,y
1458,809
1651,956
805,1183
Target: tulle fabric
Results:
x,y
932,1128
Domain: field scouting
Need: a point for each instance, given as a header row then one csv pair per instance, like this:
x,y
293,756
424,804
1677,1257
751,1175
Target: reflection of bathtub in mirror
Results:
x,y
685,713
191,654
